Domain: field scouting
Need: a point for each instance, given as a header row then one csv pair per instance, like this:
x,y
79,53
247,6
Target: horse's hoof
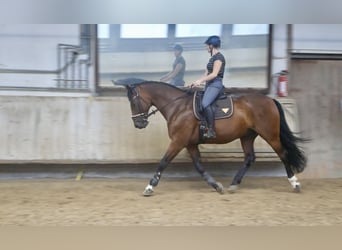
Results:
x,y
148,192
296,189
232,188
219,188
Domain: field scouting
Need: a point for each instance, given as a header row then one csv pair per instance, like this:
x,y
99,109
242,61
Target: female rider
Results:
x,y
213,81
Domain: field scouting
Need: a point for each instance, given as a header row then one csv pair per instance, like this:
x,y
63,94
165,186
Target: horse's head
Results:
x,y
139,106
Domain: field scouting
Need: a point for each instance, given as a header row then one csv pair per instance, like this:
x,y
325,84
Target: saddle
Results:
x,y
222,106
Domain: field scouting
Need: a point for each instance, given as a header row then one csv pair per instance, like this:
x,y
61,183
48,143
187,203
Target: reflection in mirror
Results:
x,y
146,51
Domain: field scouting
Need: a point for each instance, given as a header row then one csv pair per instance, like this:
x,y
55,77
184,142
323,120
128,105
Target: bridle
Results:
x,y
143,115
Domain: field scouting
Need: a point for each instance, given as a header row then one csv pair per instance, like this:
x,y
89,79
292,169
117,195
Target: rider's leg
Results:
x,y
209,116
209,97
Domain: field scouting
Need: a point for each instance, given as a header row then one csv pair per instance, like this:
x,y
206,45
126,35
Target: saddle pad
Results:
x,y
222,106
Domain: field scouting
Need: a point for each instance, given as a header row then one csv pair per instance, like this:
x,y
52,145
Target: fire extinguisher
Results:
x,y
282,84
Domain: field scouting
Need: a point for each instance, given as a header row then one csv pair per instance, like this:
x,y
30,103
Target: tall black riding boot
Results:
x,y
209,116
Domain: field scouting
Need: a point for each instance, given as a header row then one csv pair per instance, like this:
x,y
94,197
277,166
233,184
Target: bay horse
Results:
x,y
254,114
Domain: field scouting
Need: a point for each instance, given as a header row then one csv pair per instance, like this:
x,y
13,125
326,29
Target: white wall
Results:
x,y
87,129
33,47
52,128
307,38
317,38
92,130
279,53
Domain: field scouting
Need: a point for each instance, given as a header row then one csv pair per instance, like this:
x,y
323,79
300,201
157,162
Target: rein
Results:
x,y
156,110
172,101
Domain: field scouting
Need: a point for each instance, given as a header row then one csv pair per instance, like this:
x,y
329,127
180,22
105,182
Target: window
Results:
x,y
198,30
44,56
250,29
143,31
103,31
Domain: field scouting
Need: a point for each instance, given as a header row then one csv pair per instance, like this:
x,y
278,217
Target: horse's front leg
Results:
x,y
172,151
156,177
196,159
247,143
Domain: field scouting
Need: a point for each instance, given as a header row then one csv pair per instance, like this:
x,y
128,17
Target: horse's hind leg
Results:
x,y
196,159
281,152
247,143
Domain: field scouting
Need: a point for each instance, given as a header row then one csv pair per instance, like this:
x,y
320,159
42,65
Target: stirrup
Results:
x,y
210,134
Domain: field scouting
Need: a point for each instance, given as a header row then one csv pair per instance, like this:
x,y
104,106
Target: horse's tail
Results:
x,y
294,155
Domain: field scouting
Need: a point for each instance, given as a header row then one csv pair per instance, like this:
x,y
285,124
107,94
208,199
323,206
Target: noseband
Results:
x,y
142,115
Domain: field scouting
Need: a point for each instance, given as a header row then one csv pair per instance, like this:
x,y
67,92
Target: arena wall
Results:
x,y
93,130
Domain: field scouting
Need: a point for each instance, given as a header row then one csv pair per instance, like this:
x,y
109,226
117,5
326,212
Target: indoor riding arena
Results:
x,y
71,156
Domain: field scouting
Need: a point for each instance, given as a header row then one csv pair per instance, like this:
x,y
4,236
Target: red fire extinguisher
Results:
x,y
282,84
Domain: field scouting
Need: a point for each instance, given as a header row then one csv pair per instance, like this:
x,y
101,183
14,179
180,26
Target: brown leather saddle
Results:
x,y
222,106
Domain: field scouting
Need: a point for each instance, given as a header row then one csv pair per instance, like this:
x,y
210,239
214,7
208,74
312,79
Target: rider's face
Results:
x,y
177,53
209,48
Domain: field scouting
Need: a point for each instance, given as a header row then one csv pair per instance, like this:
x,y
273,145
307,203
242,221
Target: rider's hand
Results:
x,y
196,83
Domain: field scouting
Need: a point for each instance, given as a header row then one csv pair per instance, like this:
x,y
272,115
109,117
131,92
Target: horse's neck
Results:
x,y
162,98
167,101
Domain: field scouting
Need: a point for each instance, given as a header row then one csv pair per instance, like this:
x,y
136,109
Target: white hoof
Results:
x,y
232,188
148,191
295,184
297,188
219,188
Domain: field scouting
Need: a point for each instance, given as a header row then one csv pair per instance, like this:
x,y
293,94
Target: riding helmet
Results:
x,y
178,47
215,41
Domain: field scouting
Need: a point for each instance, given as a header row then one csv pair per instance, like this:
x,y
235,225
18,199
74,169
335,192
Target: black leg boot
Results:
x,y
209,116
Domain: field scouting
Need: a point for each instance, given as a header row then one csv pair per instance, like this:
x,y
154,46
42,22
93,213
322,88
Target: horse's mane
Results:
x,y
128,81
139,81
161,84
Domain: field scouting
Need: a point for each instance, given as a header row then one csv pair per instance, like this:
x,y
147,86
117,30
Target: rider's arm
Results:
x,y
212,75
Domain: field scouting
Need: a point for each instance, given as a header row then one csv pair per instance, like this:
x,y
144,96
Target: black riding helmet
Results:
x,y
215,41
